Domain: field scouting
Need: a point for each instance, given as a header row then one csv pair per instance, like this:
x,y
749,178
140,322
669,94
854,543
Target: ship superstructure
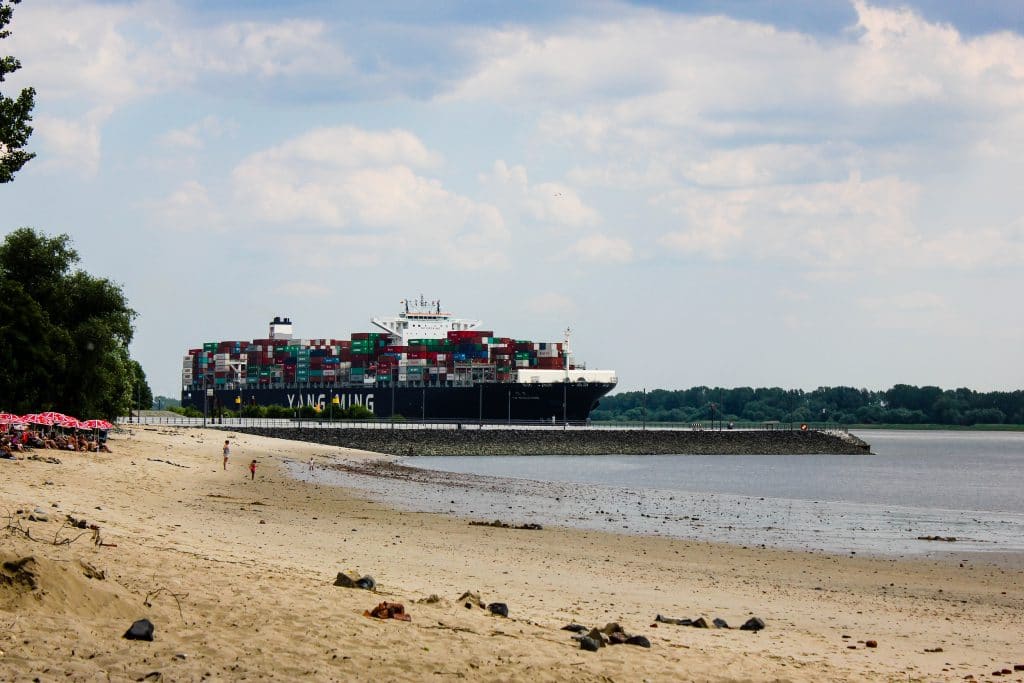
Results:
x,y
422,319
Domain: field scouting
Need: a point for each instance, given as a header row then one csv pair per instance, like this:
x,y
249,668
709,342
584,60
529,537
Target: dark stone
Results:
x,y
1018,667
595,634
677,622
638,640
140,630
871,643
753,624
589,644
575,628
499,608
345,581
700,622
617,638
720,623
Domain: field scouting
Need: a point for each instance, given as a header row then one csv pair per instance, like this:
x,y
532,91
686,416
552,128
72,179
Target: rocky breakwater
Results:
x,y
472,441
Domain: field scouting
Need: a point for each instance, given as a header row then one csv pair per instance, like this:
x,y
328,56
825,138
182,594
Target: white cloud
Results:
x,y
971,249
901,57
189,209
551,304
602,249
767,164
348,181
195,135
546,204
840,223
291,47
905,302
71,144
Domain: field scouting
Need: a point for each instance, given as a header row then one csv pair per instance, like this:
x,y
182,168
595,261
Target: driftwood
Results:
x,y
177,599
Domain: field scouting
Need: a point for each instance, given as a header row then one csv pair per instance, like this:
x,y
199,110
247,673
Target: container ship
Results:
x,y
421,364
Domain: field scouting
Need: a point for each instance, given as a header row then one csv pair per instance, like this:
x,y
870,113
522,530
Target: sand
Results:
x,y
237,577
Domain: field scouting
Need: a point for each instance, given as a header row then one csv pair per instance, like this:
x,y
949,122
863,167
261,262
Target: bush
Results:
x,y
277,412
358,412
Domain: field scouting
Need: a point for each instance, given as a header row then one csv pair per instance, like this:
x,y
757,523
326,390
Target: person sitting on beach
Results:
x,y
102,446
5,449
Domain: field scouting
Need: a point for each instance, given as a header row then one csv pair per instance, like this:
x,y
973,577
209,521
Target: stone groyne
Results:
x,y
471,441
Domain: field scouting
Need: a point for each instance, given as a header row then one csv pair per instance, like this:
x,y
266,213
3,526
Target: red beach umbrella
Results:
x,y
36,419
55,418
68,422
96,424
9,418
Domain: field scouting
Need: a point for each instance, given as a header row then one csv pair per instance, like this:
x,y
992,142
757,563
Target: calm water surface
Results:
x,y
960,484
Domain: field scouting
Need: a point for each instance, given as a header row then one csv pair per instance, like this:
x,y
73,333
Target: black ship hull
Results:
x,y
493,401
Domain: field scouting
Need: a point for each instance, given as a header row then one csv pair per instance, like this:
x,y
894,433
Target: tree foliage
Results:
x,y
15,112
64,334
902,404
142,395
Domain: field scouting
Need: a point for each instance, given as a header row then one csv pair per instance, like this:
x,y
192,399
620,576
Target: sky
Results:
x,y
802,194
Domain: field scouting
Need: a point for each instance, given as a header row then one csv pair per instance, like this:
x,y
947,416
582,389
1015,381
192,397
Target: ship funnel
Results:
x,y
280,328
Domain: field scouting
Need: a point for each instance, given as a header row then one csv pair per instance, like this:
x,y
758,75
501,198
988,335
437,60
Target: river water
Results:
x,y
965,485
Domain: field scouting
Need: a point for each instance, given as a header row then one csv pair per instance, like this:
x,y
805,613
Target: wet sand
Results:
x,y
239,576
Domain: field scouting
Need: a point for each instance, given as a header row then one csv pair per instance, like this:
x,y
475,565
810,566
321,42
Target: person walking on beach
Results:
x,y
252,469
311,466
227,452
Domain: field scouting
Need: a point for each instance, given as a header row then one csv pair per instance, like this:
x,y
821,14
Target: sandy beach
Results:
x,y
237,576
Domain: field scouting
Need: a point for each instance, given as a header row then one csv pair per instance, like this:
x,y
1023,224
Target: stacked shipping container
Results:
x,y
462,357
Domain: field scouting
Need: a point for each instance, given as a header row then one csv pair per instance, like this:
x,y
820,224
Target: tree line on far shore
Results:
x,y
902,404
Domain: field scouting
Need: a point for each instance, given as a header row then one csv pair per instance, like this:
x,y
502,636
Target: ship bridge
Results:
x,y
422,319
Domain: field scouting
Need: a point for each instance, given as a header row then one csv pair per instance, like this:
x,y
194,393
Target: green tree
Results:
x,y
358,412
64,334
15,113
142,395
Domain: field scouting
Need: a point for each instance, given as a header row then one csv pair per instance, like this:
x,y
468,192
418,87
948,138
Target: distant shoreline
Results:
x,y
939,427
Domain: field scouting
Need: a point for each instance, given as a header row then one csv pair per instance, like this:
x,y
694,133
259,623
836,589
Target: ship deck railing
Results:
x,y
127,422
